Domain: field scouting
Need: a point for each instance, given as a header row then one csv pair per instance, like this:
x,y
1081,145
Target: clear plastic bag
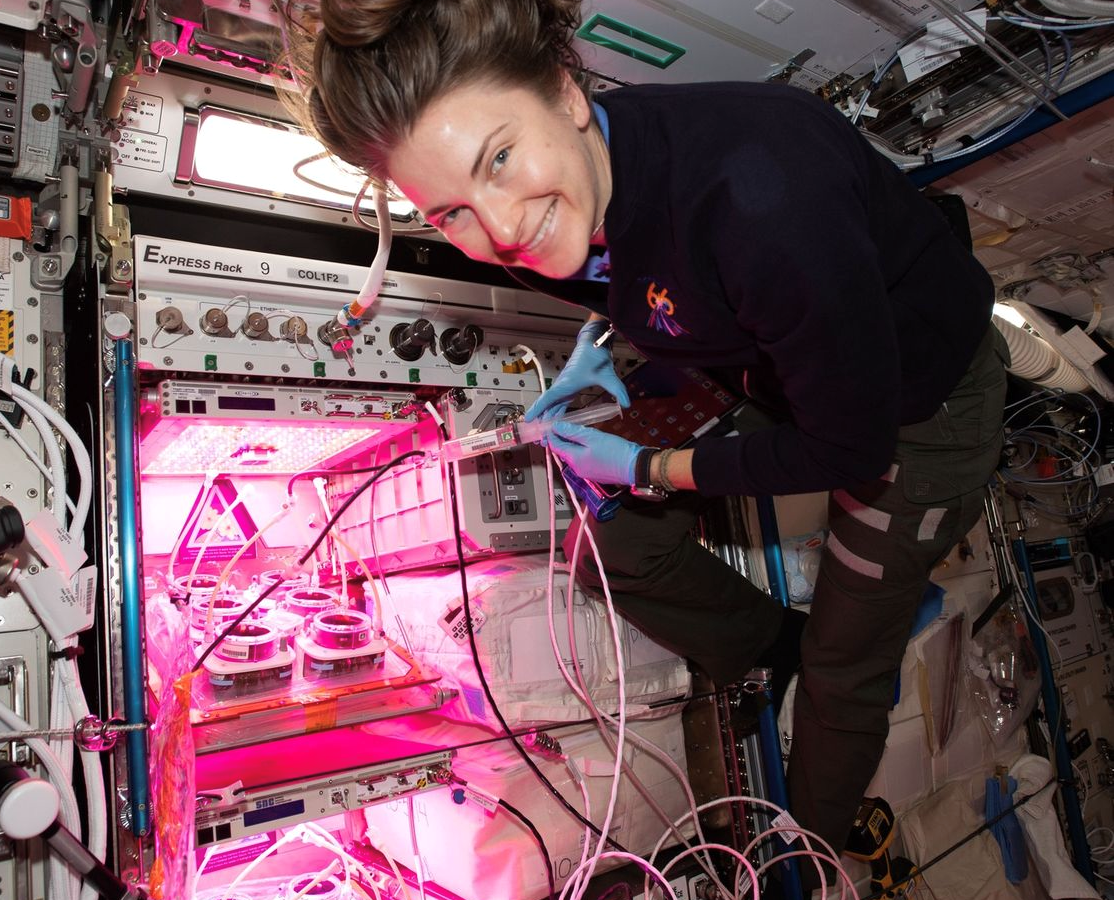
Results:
x,y
172,749
801,555
1003,674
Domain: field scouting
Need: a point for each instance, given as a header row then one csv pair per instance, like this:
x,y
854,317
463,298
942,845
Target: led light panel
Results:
x,y
260,448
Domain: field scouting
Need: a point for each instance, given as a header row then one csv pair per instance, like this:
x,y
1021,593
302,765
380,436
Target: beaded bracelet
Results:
x,y
663,477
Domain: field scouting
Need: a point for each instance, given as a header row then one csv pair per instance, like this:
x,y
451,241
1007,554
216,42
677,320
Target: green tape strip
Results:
x,y
607,32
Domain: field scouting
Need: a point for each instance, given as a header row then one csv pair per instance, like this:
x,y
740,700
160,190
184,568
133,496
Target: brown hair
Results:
x,y
369,68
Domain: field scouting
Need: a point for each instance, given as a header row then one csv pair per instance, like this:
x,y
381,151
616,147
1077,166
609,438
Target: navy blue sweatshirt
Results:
x,y
751,227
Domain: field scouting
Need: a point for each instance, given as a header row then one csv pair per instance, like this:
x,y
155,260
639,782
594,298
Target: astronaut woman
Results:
x,y
751,229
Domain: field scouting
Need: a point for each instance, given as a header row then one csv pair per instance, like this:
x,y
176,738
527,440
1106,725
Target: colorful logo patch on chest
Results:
x,y
661,311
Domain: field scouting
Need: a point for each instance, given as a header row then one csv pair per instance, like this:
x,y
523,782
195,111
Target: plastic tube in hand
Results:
x,y
516,433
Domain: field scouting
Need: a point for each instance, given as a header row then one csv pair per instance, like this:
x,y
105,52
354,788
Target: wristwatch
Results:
x,y
642,488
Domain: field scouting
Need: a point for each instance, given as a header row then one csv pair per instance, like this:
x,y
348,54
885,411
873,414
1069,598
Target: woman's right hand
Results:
x,y
588,366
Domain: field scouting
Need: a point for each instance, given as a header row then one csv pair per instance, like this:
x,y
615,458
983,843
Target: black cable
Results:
x,y
483,678
533,830
322,473
240,618
892,889
541,844
377,473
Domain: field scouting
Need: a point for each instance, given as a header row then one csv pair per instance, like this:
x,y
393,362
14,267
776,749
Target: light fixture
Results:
x,y
1011,315
184,447
268,158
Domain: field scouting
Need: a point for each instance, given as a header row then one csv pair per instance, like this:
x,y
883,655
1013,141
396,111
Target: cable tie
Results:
x,y
70,653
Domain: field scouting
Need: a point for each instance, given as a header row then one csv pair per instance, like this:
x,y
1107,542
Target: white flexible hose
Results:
x,y
373,284
80,454
1080,7
1035,360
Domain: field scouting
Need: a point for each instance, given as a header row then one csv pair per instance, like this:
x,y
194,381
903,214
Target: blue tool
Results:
x,y
602,506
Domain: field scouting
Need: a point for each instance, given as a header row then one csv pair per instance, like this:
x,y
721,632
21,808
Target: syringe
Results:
x,y
515,433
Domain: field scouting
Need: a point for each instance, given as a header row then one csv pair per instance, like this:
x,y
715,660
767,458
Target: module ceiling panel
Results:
x,y
752,40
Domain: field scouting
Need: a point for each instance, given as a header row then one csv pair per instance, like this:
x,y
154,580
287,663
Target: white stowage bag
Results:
x,y
490,855
1042,831
514,644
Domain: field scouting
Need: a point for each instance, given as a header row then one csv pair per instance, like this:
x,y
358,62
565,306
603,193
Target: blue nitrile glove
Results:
x,y
594,454
588,366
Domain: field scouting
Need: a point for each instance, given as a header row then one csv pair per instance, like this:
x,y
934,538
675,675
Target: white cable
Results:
x,y
419,863
68,706
205,860
1082,789
63,749
54,459
335,554
316,834
744,864
638,861
605,828
14,434
582,783
292,835
806,836
210,535
329,870
77,448
529,357
376,842
91,769
580,690
207,485
61,874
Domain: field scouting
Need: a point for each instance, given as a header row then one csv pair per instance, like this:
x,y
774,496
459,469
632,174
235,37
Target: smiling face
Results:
x,y
507,176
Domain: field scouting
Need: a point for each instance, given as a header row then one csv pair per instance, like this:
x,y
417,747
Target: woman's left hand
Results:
x,y
594,454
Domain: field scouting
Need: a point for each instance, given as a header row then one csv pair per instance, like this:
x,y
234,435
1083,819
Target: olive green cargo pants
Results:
x,y
884,539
